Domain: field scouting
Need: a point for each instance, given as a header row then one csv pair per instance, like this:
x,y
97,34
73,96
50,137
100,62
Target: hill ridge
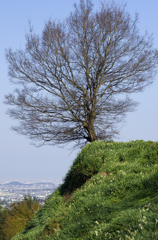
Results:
x,y
110,192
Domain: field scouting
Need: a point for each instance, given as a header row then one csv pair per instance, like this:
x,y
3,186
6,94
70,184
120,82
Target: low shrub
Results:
x,y
86,165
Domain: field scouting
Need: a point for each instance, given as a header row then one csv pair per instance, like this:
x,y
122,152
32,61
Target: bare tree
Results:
x,y
74,80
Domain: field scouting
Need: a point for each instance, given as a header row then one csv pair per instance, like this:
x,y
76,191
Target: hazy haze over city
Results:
x,y
19,159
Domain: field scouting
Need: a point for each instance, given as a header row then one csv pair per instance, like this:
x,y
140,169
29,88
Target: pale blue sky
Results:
x,y
19,159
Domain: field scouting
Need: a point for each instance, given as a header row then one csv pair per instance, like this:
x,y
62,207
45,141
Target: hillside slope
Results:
x,y
110,192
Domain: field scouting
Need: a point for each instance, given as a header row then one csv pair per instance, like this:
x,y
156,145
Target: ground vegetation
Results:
x,y
117,198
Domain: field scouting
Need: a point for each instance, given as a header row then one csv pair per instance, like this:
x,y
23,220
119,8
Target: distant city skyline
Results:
x,y
19,159
16,191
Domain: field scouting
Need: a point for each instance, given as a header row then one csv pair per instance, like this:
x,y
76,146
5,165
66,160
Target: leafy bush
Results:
x,y
17,217
87,164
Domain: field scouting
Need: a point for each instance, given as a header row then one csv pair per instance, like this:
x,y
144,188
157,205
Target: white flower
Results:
x,y
140,225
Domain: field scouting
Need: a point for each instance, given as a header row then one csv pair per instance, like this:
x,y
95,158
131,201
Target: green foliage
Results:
x,y
87,163
1,223
116,197
15,218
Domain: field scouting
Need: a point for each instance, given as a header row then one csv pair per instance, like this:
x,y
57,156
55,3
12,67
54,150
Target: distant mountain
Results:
x,y
14,183
19,183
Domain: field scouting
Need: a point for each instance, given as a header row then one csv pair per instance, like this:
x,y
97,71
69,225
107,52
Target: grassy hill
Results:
x,y
110,192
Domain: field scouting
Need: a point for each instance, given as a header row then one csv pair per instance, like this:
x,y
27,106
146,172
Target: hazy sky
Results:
x,y
19,159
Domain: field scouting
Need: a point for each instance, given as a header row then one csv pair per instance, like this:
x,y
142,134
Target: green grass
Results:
x,y
110,192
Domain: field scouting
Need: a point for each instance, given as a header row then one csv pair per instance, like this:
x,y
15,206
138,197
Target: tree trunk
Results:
x,y
91,134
